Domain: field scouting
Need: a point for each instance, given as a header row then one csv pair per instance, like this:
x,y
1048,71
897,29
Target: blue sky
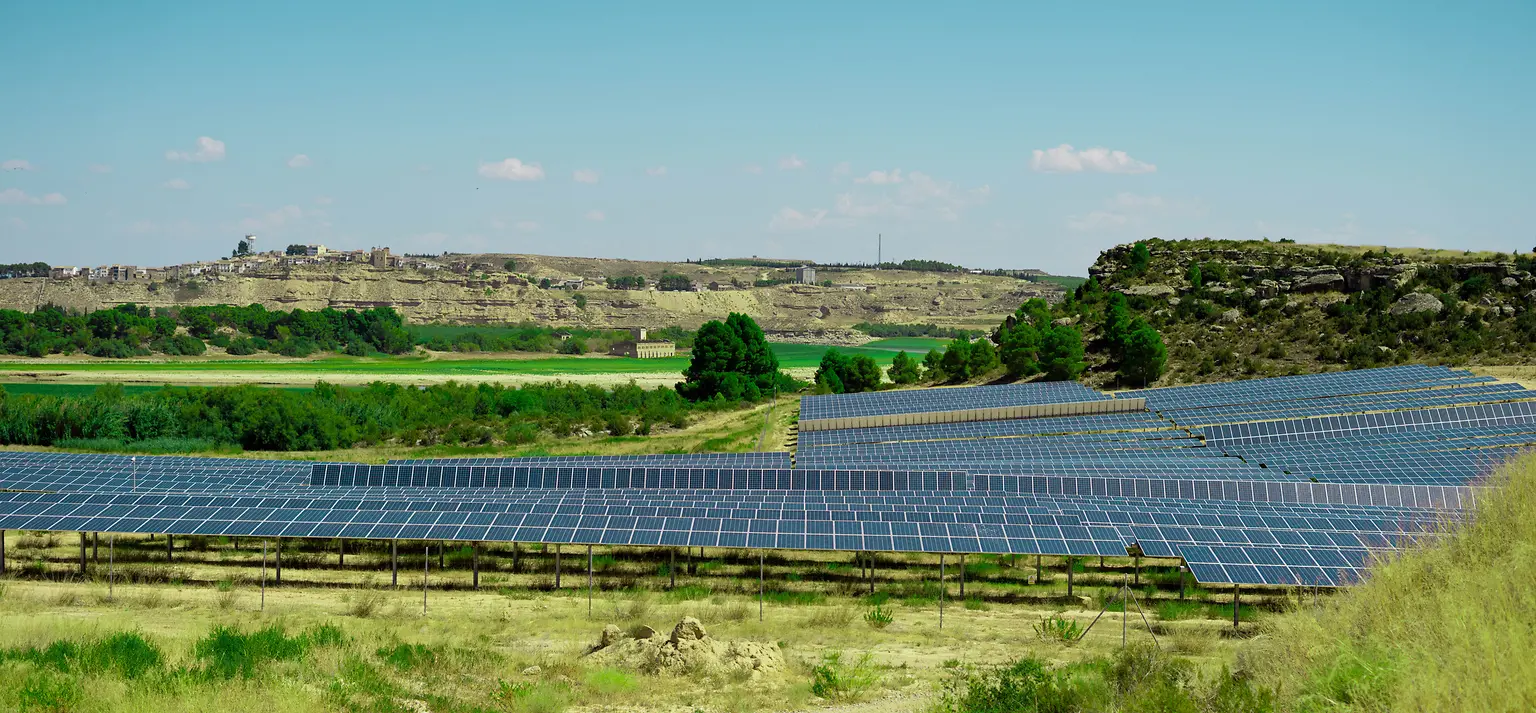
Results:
x,y
1025,134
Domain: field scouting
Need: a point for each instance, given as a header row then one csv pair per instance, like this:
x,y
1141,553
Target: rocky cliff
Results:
x,y
476,289
1228,308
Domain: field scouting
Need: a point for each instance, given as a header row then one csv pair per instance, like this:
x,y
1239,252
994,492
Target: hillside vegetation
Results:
x,y
1229,309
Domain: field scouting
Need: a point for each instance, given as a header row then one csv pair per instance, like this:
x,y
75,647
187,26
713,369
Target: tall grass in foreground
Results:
x,y
1447,627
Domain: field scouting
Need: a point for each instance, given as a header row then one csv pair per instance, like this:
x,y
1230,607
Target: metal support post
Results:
x,y
170,545
95,548
2,551
962,576
1237,593
394,563
442,552
477,566
82,555
672,568
1069,576
111,569
278,579
941,591
1181,582
759,586
1037,569
263,575
1138,570
426,565
871,573
341,553
589,581
557,566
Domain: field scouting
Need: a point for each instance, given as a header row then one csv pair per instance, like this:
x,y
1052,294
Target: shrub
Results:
x,y
878,617
1058,628
1020,686
835,680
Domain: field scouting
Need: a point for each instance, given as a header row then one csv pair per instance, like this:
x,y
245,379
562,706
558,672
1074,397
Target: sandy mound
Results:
x,y
688,651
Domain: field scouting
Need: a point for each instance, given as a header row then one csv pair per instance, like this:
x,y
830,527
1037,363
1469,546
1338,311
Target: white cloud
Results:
x,y
752,168
842,169
1065,159
512,170
208,149
790,219
880,178
586,175
298,161
16,196
324,200
656,171
15,164
791,162
177,184
527,226
596,215
100,168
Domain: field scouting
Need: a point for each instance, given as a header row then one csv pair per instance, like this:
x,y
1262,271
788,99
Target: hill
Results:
x,y
478,289
1229,309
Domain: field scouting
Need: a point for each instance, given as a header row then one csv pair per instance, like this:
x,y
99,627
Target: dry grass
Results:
x,y
1443,628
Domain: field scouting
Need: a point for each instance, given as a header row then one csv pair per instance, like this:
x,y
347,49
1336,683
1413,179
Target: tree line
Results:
x,y
328,417
135,330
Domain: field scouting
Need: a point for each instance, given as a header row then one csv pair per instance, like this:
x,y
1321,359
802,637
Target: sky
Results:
x,y
1012,134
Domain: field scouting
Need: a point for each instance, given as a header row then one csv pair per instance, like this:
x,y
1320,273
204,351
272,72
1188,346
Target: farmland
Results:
x,y
799,359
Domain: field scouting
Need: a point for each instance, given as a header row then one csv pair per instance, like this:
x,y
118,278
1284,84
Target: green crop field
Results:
x,y
791,356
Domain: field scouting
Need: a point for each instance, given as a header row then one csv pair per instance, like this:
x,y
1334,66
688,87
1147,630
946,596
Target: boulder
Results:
x,y
1065,321
1150,291
642,632
611,634
1232,315
1509,282
689,629
1322,282
1416,302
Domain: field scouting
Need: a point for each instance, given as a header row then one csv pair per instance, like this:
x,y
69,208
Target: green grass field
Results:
x,y
790,356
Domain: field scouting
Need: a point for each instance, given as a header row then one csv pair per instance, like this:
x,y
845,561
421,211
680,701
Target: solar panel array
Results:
x,y
882,403
1296,480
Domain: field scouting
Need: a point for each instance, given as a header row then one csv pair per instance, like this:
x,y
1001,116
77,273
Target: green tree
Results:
x,y
933,366
848,374
1061,353
1019,349
904,369
580,300
732,359
242,249
1117,324
1144,357
1194,277
956,360
295,250
510,265
1141,258
982,357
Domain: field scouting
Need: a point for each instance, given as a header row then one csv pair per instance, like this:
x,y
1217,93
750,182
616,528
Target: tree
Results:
x,y
1061,353
672,282
904,369
1019,348
731,359
1144,357
1194,277
296,250
1117,324
933,366
544,284
847,375
982,357
242,249
1141,258
510,265
580,300
955,363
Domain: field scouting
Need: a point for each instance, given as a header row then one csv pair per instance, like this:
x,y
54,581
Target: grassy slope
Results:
x,y
1443,628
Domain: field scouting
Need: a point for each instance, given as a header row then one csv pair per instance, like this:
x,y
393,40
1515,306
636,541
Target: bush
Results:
x,y
1022,686
879,617
835,680
1058,628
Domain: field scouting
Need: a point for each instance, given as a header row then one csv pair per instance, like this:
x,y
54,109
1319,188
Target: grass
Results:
x,y
1443,628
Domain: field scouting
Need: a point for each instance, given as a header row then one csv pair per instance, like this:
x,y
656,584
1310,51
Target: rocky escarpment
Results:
x,y
481,291
1229,308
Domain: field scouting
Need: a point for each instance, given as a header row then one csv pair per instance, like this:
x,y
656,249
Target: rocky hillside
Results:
x,y
472,289
1228,309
